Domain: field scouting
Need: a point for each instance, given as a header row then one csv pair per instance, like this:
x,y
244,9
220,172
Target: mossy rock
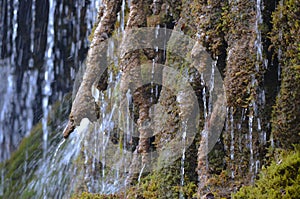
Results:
x,y
285,37
86,195
280,180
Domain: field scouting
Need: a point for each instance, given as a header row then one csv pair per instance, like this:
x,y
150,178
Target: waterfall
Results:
x,y
49,73
34,74
34,77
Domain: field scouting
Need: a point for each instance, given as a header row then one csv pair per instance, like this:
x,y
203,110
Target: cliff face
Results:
x,y
206,103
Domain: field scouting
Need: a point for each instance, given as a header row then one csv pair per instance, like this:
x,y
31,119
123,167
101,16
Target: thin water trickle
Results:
x,y
32,31
232,139
58,147
129,3
141,172
103,146
259,103
251,161
258,43
128,134
29,85
204,103
272,141
15,29
257,166
182,171
279,53
123,15
211,86
165,42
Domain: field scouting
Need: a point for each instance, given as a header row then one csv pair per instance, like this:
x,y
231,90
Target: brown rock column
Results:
x,y
84,104
131,79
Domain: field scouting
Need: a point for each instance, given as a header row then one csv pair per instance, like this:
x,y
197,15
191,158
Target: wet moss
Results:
x,y
30,149
212,19
242,75
86,195
279,180
285,39
165,183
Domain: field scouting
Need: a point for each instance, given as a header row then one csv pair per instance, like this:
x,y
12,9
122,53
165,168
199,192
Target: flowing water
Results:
x,y
34,73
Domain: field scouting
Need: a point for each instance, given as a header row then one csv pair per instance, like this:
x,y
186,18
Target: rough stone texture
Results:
x,y
286,39
131,80
241,54
241,82
84,104
211,29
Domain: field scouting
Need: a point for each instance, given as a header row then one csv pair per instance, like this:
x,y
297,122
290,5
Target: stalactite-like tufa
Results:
x,y
84,104
131,80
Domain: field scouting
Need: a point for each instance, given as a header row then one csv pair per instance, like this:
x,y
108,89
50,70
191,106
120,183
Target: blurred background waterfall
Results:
x,y
42,45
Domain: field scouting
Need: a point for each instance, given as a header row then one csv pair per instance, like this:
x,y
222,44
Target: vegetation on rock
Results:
x,y
279,180
286,40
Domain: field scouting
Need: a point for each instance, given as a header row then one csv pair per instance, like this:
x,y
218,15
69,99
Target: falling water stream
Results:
x,y
49,73
182,171
40,52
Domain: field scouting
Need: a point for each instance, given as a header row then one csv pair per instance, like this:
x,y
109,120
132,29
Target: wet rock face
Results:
x,y
240,54
69,128
96,69
285,38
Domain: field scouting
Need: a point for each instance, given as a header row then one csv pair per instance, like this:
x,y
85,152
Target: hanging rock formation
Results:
x,y
84,104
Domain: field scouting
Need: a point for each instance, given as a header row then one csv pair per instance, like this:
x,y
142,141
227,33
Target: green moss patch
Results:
x,y
280,180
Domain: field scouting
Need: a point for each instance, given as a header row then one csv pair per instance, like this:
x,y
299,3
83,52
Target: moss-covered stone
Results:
x,y
285,38
279,180
165,183
86,195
